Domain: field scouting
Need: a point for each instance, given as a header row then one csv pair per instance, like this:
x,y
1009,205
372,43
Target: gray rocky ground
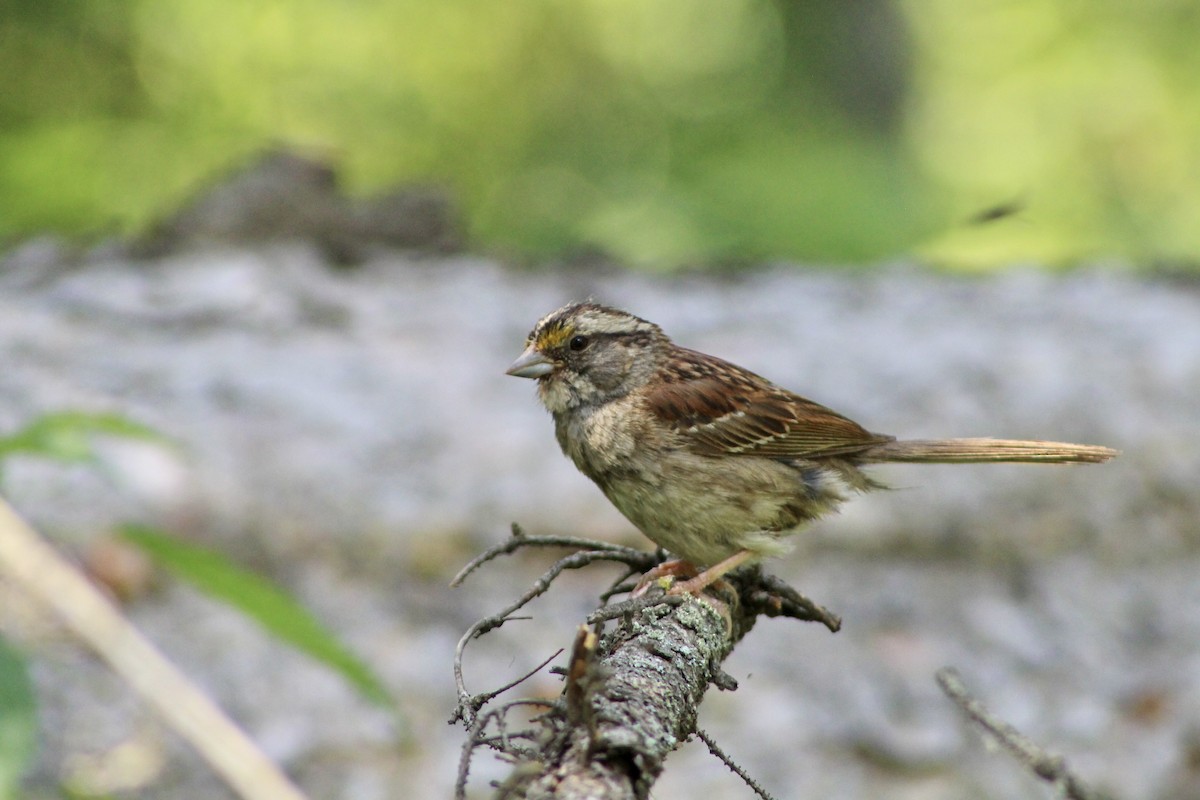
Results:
x,y
350,432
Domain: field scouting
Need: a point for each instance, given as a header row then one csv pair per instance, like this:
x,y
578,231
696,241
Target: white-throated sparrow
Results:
x,y
710,461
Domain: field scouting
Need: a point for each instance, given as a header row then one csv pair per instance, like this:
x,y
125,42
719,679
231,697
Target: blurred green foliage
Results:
x,y
661,131
18,720
261,600
71,437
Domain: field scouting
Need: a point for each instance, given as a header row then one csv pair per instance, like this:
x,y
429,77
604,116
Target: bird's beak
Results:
x,y
531,364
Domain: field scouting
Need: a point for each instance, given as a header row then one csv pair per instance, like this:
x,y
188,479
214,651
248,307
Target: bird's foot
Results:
x,y
675,568
712,575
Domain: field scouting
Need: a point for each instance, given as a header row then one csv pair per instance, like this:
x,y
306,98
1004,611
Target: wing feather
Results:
x,y
723,409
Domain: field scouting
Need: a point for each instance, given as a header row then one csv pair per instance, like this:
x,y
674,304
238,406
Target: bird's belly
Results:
x,y
705,510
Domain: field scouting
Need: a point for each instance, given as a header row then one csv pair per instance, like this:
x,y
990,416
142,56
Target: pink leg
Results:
x,y
677,568
711,575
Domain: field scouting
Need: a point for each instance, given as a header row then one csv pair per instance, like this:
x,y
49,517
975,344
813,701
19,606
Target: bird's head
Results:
x,y
585,354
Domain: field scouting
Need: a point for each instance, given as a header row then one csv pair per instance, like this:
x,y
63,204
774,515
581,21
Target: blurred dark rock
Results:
x,y
284,196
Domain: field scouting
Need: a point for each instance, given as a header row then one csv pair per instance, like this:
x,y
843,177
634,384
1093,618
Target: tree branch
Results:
x,y
632,693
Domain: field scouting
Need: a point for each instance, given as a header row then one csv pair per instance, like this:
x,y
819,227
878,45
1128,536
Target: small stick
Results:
x,y
519,539
469,705
724,758
1048,767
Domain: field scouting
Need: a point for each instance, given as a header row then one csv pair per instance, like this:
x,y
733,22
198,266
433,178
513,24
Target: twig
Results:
x,y
474,734
724,758
627,555
1048,767
622,584
475,738
771,597
468,704
487,696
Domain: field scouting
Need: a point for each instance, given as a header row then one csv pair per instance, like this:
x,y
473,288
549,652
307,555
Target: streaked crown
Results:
x,y
590,319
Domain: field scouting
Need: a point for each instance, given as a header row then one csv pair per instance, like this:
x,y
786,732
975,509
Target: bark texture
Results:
x,y
639,699
632,694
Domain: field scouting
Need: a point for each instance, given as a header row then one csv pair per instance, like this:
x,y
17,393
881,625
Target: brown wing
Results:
x,y
723,409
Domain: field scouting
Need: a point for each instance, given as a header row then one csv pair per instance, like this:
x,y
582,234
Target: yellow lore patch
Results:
x,y
554,337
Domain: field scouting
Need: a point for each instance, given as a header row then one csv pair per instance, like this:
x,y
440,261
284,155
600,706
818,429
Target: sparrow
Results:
x,y
713,463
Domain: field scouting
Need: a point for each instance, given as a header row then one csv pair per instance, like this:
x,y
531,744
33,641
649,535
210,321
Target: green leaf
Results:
x,y
67,435
256,597
18,720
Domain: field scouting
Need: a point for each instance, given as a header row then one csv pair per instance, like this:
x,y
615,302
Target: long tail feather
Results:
x,y
962,451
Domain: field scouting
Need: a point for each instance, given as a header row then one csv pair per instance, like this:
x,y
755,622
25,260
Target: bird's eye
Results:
x,y
578,343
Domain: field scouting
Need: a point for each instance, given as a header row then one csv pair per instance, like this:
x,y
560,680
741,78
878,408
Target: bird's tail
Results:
x,y
966,451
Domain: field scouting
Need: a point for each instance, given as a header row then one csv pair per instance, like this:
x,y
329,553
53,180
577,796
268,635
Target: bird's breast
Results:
x,y
606,441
